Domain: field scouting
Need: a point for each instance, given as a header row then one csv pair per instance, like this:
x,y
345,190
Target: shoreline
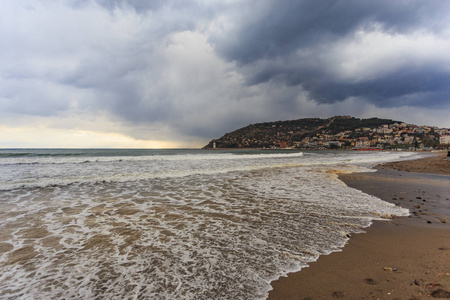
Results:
x,y
417,246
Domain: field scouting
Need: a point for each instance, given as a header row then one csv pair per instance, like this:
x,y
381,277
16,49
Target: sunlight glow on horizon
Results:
x,y
26,137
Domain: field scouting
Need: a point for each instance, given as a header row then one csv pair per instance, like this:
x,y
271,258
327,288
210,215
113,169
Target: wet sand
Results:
x,y
404,258
437,164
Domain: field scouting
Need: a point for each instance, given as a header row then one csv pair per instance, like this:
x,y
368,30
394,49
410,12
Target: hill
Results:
x,y
335,132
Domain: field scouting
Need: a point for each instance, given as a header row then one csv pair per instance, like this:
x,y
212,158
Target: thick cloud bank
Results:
x,y
391,53
182,72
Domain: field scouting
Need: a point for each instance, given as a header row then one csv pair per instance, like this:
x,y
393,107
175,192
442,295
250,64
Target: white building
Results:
x,y
444,139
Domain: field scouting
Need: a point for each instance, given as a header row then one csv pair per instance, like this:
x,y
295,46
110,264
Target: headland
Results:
x,y
338,132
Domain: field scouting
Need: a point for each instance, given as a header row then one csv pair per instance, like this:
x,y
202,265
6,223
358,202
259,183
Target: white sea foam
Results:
x,y
125,168
142,158
181,228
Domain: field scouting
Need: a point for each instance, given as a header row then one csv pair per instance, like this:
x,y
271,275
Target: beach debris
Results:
x,y
417,206
433,285
443,220
429,222
390,269
419,198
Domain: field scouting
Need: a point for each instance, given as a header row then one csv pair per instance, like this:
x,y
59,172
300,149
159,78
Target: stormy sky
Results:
x,y
166,73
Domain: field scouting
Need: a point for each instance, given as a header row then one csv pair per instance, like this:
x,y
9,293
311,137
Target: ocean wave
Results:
x,y
48,172
80,158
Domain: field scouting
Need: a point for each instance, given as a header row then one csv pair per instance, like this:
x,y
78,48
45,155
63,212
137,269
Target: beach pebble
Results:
x,y
440,293
370,281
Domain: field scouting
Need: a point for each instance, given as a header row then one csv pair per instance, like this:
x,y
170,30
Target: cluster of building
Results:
x,y
389,136
393,136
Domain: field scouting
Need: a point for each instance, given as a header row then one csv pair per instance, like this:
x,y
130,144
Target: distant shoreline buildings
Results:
x,y
339,132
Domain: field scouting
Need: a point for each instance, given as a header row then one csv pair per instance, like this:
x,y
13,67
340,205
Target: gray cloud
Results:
x,y
404,87
186,70
283,33
281,28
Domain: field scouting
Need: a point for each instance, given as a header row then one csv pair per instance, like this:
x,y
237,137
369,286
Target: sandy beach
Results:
x,y
404,258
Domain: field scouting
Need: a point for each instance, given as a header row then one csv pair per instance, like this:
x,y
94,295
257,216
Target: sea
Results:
x,y
174,224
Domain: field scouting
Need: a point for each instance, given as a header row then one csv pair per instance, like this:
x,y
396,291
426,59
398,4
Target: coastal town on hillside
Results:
x,y
339,132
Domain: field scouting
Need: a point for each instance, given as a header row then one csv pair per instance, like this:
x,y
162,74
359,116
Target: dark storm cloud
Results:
x,y
284,27
182,70
409,86
277,31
